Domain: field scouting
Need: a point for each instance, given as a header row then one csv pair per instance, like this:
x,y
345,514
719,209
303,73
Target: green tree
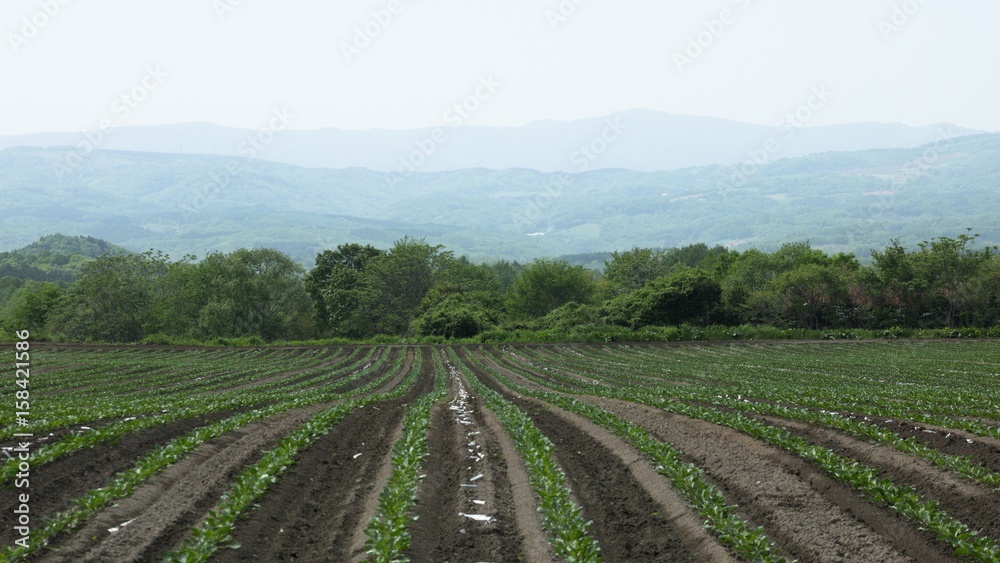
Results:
x,y
479,281
930,286
451,314
258,292
809,294
35,303
506,273
570,316
398,282
979,298
949,264
336,285
112,300
630,270
792,255
178,298
547,284
899,293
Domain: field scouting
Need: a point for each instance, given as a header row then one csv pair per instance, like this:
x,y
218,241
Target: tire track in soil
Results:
x,y
808,514
55,484
973,503
316,509
461,447
615,486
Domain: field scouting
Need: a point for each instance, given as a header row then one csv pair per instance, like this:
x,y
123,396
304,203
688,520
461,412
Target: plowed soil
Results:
x,y
53,484
474,502
627,521
811,516
315,512
466,474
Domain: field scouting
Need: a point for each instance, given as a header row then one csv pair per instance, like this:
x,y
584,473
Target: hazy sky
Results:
x,y
69,64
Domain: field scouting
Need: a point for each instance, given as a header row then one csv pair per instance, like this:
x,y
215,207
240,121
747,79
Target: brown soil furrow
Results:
x,y
313,511
810,516
535,545
318,507
352,538
464,465
968,501
636,514
983,451
164,508
55,484
628,523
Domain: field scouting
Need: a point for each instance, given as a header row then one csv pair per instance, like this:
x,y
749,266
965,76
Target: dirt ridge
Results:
x,y
633,517
465,474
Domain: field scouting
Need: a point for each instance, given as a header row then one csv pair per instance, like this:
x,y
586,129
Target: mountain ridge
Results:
x,y
179,203
642,140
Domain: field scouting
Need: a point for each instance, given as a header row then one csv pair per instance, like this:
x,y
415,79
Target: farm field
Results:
x,y
815,451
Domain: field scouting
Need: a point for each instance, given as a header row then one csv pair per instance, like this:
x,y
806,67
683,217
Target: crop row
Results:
x,y
254,481
780,381
720,517
851,425
249,398
387,532
961,537
126,482
561,517
127,391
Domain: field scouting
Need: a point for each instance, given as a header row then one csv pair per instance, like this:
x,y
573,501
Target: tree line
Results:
x,y
416,289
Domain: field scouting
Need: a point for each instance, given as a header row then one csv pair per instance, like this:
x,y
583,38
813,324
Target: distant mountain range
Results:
x,y
188,203
635,140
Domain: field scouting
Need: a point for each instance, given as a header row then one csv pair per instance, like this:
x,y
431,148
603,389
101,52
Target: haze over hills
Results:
x,y
636,140
183,203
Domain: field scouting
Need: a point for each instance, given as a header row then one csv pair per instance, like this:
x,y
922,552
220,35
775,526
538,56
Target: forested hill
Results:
x,y
84,246
839,201
54,258
41,267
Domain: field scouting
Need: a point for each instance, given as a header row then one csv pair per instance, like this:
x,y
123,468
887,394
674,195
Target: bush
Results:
x,y
686,296
570,317
452,317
